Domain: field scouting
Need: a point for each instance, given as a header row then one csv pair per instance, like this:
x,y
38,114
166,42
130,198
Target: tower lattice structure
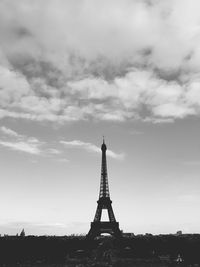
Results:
x,y
104,202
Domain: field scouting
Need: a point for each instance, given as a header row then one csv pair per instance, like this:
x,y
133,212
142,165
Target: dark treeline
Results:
x,y
47,249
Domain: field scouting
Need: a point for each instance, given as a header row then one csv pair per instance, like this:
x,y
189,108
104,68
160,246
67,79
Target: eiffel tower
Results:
x,y
104,202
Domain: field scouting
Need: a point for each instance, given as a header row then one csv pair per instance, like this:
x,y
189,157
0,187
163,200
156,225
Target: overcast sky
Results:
x,y
72,71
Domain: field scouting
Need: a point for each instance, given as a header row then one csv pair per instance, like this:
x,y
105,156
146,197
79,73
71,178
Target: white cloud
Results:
x,y
28,147
54,151
136,132
13,86
115,60
18,142
63,160
9,132
91,148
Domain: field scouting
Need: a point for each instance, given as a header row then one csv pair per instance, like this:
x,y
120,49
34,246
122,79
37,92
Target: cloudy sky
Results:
x,y
72,71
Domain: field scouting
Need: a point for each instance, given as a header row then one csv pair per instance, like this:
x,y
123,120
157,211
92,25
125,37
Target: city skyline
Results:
x,y
71,72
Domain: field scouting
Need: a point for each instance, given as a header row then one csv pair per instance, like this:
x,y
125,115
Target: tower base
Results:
x,y
98,228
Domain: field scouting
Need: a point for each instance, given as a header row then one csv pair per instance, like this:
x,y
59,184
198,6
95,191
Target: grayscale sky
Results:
x,y
72,71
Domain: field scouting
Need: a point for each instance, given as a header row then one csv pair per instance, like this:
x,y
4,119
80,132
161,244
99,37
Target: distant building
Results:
x,y
164,258
179,259
178,233
148,234
128,234
22,234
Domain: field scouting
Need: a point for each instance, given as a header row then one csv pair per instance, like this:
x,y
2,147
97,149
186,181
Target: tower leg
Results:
x,y
98,228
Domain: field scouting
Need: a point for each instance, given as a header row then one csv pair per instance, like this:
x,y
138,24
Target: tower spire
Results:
x,y
104,189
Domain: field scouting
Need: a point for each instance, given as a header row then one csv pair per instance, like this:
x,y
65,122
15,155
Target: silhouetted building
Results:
x,y
22,234
128,234
179,259
178,233
97,226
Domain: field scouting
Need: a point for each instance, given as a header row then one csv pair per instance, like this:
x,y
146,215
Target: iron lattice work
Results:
x,y
104,189
104,202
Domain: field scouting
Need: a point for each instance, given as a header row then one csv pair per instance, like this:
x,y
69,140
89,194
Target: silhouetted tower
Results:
x,y
97,226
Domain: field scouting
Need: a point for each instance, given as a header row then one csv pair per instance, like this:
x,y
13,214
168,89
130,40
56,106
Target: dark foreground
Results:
x,y
136,251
